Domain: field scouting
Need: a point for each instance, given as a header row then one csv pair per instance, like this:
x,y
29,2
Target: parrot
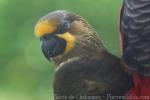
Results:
x,y
83,68
135,44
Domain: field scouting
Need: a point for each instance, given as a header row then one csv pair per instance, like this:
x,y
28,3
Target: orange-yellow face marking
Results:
x,y
70,40
44,27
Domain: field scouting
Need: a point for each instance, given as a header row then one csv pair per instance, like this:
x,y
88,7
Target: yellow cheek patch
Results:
x,y
70,40
43,28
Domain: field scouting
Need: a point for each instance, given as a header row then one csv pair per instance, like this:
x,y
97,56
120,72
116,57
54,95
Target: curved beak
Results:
x,y
52,46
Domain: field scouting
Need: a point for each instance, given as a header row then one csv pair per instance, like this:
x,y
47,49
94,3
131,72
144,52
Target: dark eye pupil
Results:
x,y
65,25
62,28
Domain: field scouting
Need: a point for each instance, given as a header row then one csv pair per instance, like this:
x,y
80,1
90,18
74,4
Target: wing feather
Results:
x,y
135,27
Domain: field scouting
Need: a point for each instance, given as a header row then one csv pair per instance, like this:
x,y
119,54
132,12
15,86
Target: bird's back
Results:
x,y
92,77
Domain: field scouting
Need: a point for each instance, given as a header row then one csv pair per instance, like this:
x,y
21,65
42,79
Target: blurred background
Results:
x,y
24,72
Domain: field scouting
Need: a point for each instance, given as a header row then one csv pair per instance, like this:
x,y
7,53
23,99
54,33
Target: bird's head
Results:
x,y
60,32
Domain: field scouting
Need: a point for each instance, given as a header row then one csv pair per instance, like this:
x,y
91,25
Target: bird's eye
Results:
x,y
62,28
65,25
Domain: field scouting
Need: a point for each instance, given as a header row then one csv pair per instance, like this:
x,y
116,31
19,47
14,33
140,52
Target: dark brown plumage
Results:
x,y
87,68
92,76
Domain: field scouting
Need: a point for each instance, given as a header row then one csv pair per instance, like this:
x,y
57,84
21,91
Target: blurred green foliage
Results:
x,y
24,72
